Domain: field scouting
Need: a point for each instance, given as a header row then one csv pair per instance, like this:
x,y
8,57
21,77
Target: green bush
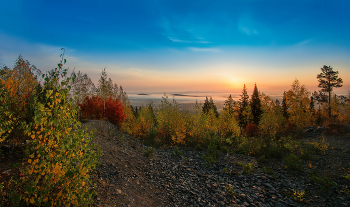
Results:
x,y
210,159
177,152
247,168
292,162
199,147
149,152
325,182
263,159
267,170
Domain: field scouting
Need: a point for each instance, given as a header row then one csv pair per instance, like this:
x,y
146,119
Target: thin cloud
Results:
x,y
303,42
179,32
173,39
247,26
196,49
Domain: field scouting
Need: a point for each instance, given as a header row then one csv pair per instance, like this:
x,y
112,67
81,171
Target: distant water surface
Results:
x,y
186,100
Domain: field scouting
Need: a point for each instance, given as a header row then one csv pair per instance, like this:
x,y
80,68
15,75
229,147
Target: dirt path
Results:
x,y
128,178
120,177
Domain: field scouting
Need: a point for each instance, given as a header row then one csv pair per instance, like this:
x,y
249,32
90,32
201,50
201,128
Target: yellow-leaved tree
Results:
x,y
171,122
16,85
143,124
227,126
272,121
128,123
298,106
60,157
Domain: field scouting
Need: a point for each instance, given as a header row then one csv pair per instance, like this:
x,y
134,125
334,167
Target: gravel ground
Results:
x,y
128,178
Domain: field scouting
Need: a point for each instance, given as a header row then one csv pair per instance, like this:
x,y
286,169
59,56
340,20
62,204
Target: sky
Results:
x,y
181,45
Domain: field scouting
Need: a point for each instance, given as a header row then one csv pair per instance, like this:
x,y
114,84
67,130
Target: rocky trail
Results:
x,y
126,177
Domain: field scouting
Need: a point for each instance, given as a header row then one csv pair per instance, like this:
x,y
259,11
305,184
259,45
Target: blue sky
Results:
x,y
176,46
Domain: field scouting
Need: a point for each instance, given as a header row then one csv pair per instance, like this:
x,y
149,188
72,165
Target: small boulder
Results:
x,y
320,128
309,129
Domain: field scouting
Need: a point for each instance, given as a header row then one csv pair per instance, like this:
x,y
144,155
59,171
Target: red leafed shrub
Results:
x,y
92,107
251,130
114,111
97,108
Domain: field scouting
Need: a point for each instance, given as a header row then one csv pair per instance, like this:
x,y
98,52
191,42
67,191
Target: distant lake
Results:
x,y
186,100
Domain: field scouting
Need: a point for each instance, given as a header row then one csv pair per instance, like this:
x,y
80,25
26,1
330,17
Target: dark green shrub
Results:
x,y
177,152
263,159
199,147
292,162
149,152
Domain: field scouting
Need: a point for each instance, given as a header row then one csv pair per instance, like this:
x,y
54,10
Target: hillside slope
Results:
x,y
128,178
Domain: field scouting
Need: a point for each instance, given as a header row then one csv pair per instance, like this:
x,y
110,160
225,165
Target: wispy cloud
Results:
x,y
247,30
196,49
173,39
247,26
43,56
303,42
181,32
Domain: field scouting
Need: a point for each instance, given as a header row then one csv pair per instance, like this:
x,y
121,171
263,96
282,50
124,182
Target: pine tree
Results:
x,y
213,106
284,105
255,104
206,105
209,105
328,80
229,105
312,105
244,101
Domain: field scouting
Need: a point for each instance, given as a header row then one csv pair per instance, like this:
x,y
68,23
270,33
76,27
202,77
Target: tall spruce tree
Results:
x,y
208,105
243,103
255,104
284,105
328,79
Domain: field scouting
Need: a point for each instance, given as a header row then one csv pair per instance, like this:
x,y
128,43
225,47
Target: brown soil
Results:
x,y
120,177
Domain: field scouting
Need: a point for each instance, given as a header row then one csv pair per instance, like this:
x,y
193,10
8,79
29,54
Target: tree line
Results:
x,y
255,113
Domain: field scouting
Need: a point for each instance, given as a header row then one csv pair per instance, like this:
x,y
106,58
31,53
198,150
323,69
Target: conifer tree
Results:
x,y
206,105
255,105
229,105
247,115
312,105
284,105
209,105
243,103
213,106
328,80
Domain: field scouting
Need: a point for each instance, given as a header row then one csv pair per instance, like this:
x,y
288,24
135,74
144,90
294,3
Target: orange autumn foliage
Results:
x,y
16,86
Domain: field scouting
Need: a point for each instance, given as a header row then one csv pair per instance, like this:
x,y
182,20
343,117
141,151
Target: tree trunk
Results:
x,y
329,105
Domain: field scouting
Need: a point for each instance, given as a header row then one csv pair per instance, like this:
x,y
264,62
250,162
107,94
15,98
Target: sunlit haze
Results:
x,y
181,46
